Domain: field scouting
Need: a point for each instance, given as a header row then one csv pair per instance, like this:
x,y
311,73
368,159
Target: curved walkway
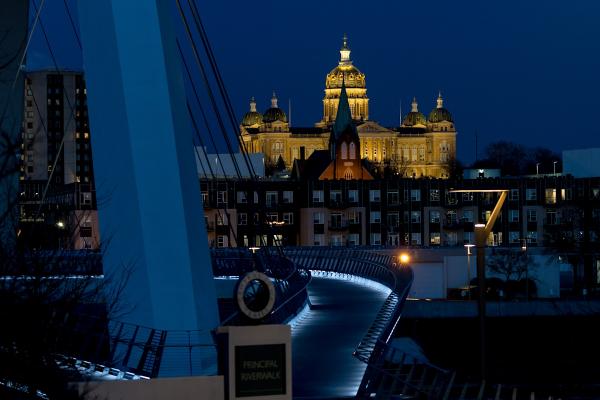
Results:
x,y
324,339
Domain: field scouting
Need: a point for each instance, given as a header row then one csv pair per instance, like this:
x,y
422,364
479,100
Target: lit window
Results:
x,y
550,196
353,196
242,219
415,216
415,239
317,196
318,239
318,218
375,239
514,237
221,241
348,175
288,197
415,195
374,196
271,199
375,217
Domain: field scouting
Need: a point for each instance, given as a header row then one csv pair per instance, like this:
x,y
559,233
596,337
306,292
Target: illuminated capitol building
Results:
x,y
421,147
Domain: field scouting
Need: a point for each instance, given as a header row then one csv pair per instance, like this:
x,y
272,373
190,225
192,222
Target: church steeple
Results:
x,y
343,118
440,100
344,129
274,100
252,104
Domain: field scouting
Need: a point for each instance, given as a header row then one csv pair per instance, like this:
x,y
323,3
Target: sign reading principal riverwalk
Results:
x,y
259,370
256,361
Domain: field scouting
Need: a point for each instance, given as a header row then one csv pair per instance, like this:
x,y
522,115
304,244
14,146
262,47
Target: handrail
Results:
x,y
374,346
290,281
150,352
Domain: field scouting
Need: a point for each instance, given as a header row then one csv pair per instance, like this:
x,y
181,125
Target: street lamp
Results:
x,y
537,168
524,248
554,166
482,232
469,246
404,258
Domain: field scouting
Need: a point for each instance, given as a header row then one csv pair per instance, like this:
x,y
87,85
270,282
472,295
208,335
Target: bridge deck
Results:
x,y
323,342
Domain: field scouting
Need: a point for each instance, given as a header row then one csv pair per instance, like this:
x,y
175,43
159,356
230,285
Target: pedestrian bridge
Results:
x,y
343,305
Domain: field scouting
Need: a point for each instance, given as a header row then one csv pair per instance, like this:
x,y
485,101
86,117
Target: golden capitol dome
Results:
x,y
356,89
345,71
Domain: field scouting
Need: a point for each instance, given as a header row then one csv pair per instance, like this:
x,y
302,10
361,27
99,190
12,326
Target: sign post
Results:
x,y
256,361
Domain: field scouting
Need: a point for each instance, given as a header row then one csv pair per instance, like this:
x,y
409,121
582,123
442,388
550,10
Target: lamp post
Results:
x,y
554,166
537,168
524,248
404,259
469,247
482,231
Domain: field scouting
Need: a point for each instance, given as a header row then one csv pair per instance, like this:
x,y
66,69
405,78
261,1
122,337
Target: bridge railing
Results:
x,y
290,281
97,343
374,348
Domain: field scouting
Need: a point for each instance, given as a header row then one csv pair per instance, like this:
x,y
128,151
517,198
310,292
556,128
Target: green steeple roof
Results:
x,y
343,118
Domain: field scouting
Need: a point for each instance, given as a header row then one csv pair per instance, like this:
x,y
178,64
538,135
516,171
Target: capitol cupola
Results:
x,y
356,89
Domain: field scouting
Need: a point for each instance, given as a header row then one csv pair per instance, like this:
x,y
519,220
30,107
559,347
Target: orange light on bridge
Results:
x,y
404,258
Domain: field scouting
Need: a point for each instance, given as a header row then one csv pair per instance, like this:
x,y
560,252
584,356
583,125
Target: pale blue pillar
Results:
x,y
148,192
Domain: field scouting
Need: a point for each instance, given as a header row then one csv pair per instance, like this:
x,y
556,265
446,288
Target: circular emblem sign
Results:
x,y
255,295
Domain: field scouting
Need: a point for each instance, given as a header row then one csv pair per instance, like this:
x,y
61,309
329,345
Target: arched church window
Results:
x,y
344,151
352,151
348,175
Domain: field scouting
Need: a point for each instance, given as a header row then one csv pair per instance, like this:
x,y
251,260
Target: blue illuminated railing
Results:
x,y
290,281
124,349
374,349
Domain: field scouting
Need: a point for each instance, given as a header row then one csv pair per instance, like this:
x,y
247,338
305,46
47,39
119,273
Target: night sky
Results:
x,y
514,70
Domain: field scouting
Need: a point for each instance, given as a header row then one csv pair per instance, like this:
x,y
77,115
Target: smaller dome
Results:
x,y
274,113
414,117
252,117
439,113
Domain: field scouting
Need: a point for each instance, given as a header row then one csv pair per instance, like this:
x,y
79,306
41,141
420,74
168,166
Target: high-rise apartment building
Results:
x,y
57,194
56,135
